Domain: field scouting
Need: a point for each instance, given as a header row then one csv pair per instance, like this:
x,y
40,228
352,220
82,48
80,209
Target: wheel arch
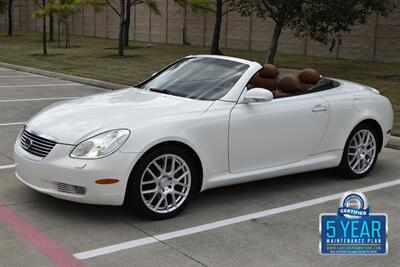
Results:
x,y
189,149
377,127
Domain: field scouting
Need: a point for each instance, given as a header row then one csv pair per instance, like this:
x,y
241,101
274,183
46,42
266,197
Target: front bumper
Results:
x,y
58,172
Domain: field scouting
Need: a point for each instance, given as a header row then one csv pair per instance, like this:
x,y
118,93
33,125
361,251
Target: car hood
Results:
x,y
72,121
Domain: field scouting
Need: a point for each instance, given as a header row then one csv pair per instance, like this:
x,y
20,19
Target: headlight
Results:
x,y
101,145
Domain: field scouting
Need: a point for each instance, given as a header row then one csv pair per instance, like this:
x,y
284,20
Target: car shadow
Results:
x,y
237,199
206,207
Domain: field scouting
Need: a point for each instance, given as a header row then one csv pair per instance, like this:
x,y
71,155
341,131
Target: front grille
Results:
x,y
35,144
70,189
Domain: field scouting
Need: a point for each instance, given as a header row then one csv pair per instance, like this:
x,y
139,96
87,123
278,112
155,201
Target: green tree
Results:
x,y
124,14
129,4
220,8
42,13
337,17
51,27
3,6
10,17
66,8
321,20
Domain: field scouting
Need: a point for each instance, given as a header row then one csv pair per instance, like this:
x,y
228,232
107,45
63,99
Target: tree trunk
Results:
x,y
217,29
44,31
121,29
51,29
274,43
58,33
67,41
127,23
184,30
10,18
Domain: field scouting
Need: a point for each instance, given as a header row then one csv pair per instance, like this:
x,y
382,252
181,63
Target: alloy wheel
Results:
x,y
362,151
165,183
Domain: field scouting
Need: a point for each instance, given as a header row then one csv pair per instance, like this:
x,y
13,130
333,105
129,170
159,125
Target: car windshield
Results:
x,y
197,78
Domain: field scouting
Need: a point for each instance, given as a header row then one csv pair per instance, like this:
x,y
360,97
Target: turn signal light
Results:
x,y
107,181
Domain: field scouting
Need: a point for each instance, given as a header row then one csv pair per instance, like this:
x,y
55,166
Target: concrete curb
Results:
x,y
394,141
88,81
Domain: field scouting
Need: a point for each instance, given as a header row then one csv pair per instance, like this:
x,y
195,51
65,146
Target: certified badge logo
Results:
x,y
353,206
353,229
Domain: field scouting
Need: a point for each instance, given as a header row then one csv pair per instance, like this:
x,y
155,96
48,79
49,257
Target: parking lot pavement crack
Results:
x,y
4,155
21,202
165,243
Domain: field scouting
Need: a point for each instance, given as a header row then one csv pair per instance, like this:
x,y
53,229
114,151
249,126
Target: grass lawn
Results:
x,y
95,58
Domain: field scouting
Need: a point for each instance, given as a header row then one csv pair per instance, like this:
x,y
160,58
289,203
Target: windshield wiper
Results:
x,y
163,91
166,91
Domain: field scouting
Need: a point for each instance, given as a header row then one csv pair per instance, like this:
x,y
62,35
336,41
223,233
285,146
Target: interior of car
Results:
x,y
306,81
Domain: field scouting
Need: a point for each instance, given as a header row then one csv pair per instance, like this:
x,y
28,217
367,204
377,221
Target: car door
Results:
x,y
278,132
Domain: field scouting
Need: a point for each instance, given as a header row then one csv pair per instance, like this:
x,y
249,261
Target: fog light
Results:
x,y
107,181
80,190
70,189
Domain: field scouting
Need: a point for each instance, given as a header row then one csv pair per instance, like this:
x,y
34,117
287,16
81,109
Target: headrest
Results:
x,y
289,84
269,71
310,76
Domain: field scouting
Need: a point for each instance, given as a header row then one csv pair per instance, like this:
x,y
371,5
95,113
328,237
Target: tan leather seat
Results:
x,y
295,84
287,85
308,78
265,78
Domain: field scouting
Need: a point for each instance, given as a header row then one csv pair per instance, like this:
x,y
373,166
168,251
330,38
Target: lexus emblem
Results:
x,y
28,143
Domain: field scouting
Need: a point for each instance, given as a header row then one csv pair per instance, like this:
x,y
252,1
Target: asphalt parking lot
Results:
x,y
221,227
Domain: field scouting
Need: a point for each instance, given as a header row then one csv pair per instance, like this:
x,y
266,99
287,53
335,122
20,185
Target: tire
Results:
x,y
360,152
153,187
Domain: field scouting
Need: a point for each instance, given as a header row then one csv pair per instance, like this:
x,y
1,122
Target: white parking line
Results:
x,y
209,226
12,123
40,85
5,167
20,76
36,99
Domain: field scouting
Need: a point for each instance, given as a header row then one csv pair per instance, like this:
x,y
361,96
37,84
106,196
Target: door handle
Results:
x,y
319,108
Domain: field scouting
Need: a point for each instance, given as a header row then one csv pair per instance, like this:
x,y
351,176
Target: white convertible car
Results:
x,y
200,123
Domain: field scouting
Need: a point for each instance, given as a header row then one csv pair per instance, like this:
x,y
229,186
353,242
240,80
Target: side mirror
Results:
x,y
258,95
